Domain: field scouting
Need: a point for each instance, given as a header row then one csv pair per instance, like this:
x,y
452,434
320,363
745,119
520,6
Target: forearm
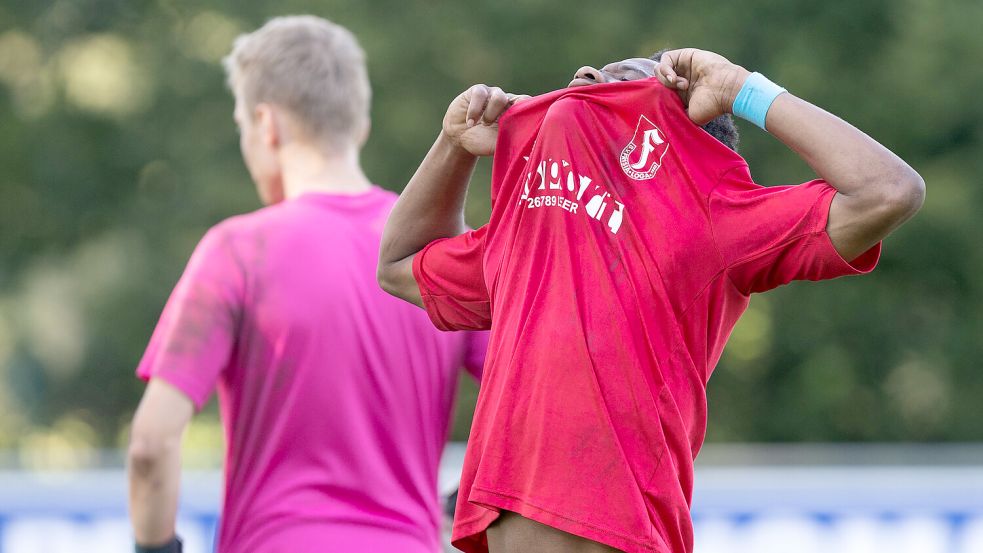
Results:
x,y
838,152
430,207
432,204
876,190
845,157
154,473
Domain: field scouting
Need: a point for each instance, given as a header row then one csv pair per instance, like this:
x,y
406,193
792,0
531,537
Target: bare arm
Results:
x,y
430,207
876,190
432,204
154,462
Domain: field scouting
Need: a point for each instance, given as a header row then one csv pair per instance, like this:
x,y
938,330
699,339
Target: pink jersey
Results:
x,y
623,245
335,397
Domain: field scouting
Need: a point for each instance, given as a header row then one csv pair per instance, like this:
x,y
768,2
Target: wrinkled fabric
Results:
x,y
623,244
335,397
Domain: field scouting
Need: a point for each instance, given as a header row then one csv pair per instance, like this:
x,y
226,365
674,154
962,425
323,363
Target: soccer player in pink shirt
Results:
x,y
335,397
623,245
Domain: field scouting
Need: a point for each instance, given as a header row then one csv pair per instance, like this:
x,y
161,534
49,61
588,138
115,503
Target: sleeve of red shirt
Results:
x,y
193,340
770,236
452,284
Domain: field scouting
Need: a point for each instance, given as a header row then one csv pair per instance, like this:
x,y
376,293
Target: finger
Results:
x,y
497,102
476,105
660,74
516,98
667,67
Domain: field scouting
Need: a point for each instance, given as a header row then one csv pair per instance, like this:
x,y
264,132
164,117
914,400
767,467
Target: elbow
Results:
x,y
909,194
143,456
385,268
147,452
396,279
385,275
902,194
382,277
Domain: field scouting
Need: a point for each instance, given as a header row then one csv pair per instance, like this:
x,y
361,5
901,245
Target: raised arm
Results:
x,y
876,190
432,204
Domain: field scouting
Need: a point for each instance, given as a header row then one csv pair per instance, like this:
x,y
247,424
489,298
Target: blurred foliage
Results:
x,y
118,152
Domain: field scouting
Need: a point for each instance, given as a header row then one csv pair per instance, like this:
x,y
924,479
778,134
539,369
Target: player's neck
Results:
x,y
307,169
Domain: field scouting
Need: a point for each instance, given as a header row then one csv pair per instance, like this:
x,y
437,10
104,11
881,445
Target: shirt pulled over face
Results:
x,y
623,245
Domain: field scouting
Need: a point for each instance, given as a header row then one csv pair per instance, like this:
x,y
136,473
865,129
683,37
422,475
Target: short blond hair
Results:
x,y
310,66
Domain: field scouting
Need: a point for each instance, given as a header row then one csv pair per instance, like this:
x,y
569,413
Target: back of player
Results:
x,y
335,397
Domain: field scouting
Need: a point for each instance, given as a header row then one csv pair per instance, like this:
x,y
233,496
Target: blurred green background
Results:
x,y
118,151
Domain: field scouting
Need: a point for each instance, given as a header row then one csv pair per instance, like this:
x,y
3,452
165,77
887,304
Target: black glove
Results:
x,y
173,546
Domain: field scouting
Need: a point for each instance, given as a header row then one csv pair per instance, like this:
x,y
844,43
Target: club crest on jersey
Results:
x,y
642,157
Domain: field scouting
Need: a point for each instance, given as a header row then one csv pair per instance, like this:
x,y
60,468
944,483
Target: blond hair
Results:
x,y
313,68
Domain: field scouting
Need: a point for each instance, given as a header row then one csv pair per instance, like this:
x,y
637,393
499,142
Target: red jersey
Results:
x,y
623,244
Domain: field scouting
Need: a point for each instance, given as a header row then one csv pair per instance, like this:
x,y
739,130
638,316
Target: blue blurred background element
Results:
x,y
748,499
118,150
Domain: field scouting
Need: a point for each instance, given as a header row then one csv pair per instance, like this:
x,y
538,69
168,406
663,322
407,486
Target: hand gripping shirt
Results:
x,y
623,244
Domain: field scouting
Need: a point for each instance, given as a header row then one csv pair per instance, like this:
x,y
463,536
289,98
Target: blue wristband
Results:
x,y
755,98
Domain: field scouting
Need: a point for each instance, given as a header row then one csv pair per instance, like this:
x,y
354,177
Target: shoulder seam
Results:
x,y
725,267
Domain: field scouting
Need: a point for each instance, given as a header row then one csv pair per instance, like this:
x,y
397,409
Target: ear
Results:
x,y
267,125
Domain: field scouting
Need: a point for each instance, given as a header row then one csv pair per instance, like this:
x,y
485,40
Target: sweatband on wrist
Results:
x,y
173,546
755,98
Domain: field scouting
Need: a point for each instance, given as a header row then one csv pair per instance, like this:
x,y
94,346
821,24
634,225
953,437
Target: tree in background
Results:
x,y
118,151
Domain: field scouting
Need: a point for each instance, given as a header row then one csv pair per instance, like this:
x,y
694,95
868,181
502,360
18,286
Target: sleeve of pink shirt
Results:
x,y
450,275
193,340
770,236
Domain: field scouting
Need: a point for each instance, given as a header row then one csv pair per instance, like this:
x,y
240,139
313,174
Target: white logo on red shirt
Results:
x,y
642,157
560,176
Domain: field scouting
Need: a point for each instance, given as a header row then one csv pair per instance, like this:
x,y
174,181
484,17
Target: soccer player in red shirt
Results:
x,y
623,245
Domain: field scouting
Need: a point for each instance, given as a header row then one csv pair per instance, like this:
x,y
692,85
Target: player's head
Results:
x,y
297,79
722,128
